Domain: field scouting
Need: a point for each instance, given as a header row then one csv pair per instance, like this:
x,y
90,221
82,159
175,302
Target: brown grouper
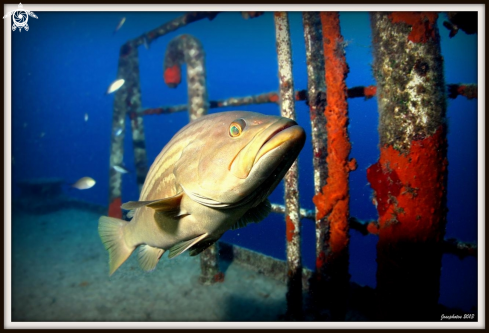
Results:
x,y
215,174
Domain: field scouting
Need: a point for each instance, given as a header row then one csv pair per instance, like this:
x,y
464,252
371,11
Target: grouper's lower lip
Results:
x,y
289,132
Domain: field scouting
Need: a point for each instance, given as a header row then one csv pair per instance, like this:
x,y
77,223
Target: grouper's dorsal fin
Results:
x,y
254,215
160,205
183,246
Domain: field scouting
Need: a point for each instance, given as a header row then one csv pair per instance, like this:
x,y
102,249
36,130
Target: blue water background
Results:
x,y
63,65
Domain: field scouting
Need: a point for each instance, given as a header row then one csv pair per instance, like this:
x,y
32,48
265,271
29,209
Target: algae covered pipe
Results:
x,y
188,49
333,201
410,177
291,183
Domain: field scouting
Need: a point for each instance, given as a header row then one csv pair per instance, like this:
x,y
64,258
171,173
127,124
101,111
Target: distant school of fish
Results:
x,y
215,174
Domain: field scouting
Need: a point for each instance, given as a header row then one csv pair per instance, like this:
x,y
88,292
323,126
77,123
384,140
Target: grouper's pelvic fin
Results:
x,y
111,231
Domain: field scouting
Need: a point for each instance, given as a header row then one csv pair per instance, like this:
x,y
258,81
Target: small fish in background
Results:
x,y
114,86
84,183
120,169
118,131
86,117
466,21
42,135
121,23
145,43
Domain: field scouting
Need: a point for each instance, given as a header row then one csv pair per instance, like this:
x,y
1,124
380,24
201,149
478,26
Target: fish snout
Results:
x,y
284,133
287,133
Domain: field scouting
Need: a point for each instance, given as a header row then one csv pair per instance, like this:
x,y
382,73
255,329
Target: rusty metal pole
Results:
x,y
410,177
317,102
127,64
333,203
292,209
133,104
187,49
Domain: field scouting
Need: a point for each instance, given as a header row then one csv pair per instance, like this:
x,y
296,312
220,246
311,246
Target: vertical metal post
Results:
x,y
410,177
133,106
188,49
292,213
333,203
128,63
317,104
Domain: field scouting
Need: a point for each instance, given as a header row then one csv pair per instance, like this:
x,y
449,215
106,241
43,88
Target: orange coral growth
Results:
x,y
410,190
219,277
274,98
289,228
373,228
423,24
320,260
465,91
115,208
301,95
369,91
333,201
173,76
352,165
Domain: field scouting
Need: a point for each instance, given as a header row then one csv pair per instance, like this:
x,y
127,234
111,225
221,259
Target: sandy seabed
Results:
x,y
60,274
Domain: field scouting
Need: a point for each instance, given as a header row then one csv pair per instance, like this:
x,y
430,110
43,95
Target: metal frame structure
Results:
x,y
326,96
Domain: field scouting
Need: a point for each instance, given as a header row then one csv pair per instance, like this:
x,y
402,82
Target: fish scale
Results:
x,y
170,154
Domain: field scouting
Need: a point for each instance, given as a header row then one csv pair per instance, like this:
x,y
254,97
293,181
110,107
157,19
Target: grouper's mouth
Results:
x,y
282,131
276,139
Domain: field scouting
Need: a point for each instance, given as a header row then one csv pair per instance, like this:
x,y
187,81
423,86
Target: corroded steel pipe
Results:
x,y
133,102
292,209
317,103
333,202
187,49
410,177
128,66
147,38
271,97
467,90
452,245
454,90
304,213
248,15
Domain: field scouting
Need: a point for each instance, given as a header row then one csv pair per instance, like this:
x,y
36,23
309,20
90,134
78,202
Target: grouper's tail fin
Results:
x,y
111,231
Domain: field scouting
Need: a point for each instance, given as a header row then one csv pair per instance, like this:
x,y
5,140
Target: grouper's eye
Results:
x,y
237,127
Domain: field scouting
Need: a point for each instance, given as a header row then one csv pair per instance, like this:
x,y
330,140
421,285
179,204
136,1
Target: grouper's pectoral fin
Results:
x,y
183,246
161,205
254,215
149,256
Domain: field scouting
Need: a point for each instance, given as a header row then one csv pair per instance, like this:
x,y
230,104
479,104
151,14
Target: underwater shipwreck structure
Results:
x,y
409,180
